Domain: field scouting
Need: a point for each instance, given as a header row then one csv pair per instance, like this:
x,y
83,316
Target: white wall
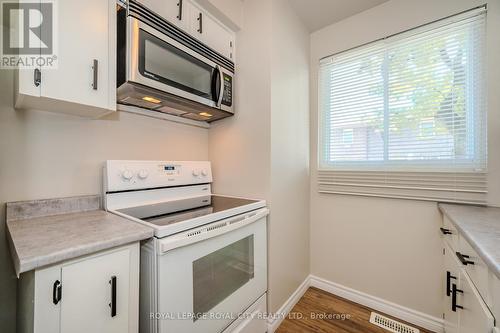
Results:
x,y
239,147
383,247
45,155
263,150
289,223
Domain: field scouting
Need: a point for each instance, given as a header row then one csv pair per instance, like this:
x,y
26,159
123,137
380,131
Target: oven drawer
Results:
x,y
253,320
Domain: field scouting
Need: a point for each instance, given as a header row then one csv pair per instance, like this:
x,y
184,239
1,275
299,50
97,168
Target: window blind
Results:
x,y
406,116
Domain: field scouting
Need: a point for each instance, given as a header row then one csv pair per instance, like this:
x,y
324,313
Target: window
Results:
x,y
407,112
347,136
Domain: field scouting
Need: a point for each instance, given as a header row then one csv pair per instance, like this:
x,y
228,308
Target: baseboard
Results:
x,y
414,317
274,322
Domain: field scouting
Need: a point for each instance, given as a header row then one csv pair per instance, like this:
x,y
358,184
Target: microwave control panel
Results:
x,y
227,96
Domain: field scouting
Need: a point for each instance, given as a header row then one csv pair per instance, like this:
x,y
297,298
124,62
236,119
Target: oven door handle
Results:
x,y
210,230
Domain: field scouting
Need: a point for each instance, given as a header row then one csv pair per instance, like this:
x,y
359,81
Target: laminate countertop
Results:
x,y
480,226
45,232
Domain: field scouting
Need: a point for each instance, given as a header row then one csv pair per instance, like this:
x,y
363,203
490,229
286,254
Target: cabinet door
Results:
x,y
196,20
450,277
87,294
172,10
474,315
217,37
27,79
82,35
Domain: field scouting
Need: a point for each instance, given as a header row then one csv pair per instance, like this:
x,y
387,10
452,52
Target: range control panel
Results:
x,y
137,175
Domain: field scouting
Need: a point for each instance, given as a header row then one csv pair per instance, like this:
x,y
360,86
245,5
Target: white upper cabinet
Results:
x,y
195,20
174,11
216,36
84,80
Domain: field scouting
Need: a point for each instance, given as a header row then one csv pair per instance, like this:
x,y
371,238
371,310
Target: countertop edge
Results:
x,y
490,262
61,256
13,252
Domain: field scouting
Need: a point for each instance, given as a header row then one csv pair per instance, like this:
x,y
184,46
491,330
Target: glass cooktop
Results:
x,y
163,214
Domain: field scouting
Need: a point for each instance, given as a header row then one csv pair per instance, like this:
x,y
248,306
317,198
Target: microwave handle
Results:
x,y
216,85
221,89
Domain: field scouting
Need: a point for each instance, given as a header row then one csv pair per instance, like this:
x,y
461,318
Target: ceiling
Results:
x,y
317,14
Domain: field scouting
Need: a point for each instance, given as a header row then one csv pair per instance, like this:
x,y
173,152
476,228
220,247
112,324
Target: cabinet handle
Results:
x,y
200,21
179,4
56,292
112,305
454,292
448,282
463,259
445,231
95,68
37,77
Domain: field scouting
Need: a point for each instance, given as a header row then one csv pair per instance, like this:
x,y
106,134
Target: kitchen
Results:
x,y
367,246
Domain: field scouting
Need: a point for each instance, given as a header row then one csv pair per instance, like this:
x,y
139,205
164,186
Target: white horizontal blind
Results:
x,y
406,116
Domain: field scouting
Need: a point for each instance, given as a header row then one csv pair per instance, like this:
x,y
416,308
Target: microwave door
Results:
x,y
162,63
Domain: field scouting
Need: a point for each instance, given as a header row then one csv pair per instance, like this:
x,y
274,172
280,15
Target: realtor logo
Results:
x,y
28,34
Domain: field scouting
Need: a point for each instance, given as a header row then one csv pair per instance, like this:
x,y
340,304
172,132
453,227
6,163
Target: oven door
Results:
x,y
204,285
157,61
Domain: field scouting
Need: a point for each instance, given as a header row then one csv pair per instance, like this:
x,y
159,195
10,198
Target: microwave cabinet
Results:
x,y
195,20
83,81
471,292
96,293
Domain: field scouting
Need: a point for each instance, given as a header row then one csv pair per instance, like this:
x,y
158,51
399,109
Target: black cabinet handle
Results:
x,y
448,282
463,259
56,292
445,231
95,68
112,305
179,4
200,21
454,292
37,77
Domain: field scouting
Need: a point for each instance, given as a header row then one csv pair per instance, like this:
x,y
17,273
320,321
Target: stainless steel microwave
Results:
x,y
164,69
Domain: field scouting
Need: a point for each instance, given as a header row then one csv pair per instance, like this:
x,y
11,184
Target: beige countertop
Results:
x,y
480,226
45,232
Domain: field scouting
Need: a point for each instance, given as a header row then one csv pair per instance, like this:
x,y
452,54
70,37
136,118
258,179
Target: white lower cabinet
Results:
x,y
475,317
465,296
451,277
96,293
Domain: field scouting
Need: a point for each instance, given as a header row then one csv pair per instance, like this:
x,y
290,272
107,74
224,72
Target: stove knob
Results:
x,y
127,175
143,174
196,173
204,173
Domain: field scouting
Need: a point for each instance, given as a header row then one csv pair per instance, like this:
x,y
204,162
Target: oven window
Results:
x,y
163,62
220,273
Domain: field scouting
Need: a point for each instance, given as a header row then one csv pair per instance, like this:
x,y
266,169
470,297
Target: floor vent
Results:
x,y
390,324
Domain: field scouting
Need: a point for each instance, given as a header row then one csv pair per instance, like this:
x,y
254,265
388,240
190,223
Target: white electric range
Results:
x,y
206,268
